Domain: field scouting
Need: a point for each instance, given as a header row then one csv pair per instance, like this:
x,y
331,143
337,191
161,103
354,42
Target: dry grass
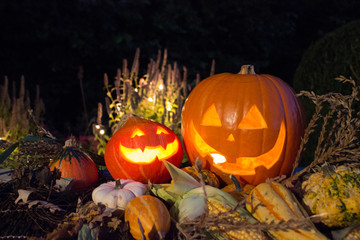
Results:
x,y
338,132
14,118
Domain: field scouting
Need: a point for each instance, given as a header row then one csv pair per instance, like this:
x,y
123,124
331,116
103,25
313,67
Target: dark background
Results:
x,y
48,40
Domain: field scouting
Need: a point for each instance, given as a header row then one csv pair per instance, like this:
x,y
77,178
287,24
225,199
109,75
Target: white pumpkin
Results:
x,y
117,194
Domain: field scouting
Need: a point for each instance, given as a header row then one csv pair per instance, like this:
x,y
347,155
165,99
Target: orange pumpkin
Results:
x,y
73,163
137,150
244,124
208,177
150,214
236,190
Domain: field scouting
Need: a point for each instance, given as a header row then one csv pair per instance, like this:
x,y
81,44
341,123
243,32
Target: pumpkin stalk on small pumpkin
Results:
x,y
117,184
236,190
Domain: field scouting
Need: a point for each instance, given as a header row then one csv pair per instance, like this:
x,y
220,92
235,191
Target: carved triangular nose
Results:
x,y
230,138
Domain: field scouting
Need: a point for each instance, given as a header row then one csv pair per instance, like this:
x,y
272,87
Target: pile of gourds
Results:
x,y
246,127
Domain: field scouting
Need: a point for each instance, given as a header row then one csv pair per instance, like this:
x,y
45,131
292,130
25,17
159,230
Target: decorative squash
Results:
x,y
117,194
273,202
236,190
74,163
244,124
137,150
150,214
209,177
190,203
334,195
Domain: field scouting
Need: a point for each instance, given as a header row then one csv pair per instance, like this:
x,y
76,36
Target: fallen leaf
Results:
x,y
52,207
23,195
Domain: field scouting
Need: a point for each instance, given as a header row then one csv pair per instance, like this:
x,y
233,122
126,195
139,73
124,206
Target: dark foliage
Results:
x,y
336,54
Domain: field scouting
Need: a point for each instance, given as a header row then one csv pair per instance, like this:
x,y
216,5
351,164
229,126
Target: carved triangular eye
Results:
x,y
137,132
211,117
253,120
161,130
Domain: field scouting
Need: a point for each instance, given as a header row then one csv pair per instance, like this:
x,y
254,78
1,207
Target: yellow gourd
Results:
x,y
273,202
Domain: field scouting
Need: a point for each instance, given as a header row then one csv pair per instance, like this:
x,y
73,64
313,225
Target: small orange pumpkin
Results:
x,y
209,177
138,148
245,124
73,163
236,190
149,212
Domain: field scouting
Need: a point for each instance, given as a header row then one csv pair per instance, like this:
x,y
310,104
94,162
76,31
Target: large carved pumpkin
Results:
x,y
137,150
244,124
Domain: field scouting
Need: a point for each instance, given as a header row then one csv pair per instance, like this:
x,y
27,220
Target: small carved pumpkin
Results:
x,y
137,150
150,214
244,124
117,194
76,164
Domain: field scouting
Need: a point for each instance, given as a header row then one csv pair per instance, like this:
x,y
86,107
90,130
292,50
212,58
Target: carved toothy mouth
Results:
x,y
242,165
149,153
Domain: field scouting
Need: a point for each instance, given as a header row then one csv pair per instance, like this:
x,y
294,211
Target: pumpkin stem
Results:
x,y
161,235
118,184
247,69
142,231
198,164
328,170
123,121
71,142
236,182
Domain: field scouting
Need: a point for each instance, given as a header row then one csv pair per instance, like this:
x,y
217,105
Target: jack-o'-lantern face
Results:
x,y
137,150
148,144
247,125
229,158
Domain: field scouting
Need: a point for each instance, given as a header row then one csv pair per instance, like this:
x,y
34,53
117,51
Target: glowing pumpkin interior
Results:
x,y
248,125
144,146
227,160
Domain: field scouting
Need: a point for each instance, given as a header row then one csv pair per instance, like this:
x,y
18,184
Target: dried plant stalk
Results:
x,y
158,95
338,141
14,120
201,227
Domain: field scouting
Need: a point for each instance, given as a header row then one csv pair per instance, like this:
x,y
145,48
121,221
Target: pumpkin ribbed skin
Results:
x,y
142,136
272,201
209,177
239,118
76,164
334,195
153,215
117,194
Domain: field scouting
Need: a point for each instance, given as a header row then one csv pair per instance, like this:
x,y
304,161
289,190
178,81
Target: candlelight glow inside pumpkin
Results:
x,y
242,165
245,124
138,148
148,154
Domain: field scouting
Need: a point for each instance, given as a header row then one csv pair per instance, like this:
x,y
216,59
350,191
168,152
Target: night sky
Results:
x,y
48,40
